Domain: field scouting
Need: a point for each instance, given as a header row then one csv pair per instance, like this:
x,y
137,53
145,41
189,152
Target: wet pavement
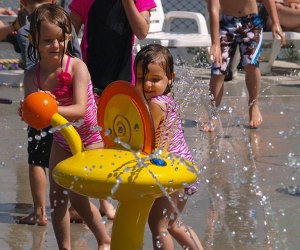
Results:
x,y
244,201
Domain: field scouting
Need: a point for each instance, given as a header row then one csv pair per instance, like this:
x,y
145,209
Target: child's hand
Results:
x,y
295,5
49,93
5,11
276,29
215,54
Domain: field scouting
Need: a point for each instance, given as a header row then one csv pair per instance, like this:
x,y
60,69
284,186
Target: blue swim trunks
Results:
x,y
243,31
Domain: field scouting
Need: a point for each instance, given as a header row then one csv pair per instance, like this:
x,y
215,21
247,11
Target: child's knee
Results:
x,y
251,68
157,227
174,225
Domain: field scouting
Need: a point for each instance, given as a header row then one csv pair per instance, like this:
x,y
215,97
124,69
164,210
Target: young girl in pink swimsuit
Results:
x,y
68,80
155,76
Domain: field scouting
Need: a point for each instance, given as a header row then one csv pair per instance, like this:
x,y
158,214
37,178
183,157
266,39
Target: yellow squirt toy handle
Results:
x,y
69,133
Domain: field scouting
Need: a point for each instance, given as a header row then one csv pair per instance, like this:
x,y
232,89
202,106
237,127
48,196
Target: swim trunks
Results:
x,y
263,14
243,31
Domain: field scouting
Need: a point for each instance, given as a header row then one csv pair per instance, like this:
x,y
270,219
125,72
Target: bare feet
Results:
x,y
255,117
208,126
33,219
107,209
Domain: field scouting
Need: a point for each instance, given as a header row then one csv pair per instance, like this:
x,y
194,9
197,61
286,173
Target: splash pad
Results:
x,y
133,178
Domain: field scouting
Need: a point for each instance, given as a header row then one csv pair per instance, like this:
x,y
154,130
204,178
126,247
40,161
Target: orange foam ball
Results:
x,y
38,109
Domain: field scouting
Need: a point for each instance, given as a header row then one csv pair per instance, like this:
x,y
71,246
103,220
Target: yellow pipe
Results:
x,y
129,224
69,133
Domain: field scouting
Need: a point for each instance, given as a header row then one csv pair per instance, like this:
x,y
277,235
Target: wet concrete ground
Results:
x,y
238,205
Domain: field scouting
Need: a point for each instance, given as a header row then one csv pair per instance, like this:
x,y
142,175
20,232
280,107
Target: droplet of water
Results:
x,y
117,140
116,186
78,123
172,216
165,233
43,134
159,244
38,137
104,220
96,128
107,132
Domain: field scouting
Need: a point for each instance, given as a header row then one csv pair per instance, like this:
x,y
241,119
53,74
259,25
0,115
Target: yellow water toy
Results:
x,y
127,169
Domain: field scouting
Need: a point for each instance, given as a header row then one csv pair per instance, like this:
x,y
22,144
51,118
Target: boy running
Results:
x,y
236,22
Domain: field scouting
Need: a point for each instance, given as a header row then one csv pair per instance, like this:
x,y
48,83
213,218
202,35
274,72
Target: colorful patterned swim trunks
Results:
x,y
243,31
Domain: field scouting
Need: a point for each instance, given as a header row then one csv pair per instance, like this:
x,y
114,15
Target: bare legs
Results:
x,y
106,208
59,208
253,86
163,226
216,87
38,182
252,79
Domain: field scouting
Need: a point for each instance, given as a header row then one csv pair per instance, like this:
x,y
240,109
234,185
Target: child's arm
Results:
x,y
29,82
29,87
276,28
215,50
139,21
80,80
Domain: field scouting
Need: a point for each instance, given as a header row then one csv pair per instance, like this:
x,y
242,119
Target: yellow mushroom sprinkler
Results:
x,y
133,175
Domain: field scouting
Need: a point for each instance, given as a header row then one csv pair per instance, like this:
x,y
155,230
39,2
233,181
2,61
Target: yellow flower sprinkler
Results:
x,y
127,170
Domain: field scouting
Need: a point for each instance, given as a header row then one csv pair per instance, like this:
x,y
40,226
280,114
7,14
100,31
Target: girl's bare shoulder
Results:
x,y
76,62
79,69
77,65
157,105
